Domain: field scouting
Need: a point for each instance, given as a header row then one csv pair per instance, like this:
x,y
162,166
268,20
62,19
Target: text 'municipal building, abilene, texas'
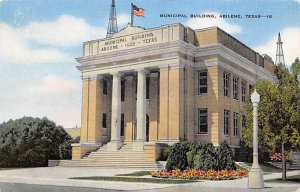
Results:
x,y
152,87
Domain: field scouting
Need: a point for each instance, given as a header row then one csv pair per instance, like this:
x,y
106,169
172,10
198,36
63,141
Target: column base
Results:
x,y
255,179
138,146
114,145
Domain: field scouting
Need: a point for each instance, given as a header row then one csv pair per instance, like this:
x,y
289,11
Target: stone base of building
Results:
x,y
154,151
80,149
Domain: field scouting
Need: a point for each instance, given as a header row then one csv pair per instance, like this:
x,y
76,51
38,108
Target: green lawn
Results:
x,y
292,179
137,180
266,167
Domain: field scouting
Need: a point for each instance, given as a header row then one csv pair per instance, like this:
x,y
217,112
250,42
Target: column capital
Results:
x,y
142,70
116,74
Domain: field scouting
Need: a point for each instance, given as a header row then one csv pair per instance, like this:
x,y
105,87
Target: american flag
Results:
x,y
137,11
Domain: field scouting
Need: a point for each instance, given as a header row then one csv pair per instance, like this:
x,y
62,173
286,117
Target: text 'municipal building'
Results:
x,y
151,87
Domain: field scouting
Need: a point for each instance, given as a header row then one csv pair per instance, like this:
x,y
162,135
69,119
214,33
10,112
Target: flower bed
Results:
x,y
200,175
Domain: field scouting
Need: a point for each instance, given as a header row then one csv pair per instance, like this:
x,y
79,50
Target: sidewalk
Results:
x,y
58,176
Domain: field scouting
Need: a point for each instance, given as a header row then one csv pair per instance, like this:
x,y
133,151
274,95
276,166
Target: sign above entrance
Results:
x,y
134,37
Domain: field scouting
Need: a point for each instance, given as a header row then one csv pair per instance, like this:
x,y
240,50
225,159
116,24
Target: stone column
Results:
x,y
129,108
115,141
140,111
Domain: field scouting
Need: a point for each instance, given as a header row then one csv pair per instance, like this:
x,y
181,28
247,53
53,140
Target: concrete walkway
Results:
x,y
59,176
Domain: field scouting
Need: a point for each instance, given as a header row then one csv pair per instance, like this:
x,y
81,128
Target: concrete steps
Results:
x,y
123,158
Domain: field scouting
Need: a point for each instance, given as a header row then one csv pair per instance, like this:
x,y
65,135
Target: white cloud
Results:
x,y
15,50
55,85
66,31
298,1
55,97
123,20
198,23
44,42
291,41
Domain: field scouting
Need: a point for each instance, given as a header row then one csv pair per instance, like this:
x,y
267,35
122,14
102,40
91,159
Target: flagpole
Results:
x,y
131,24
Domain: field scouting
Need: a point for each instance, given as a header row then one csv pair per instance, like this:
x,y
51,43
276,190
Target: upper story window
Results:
x,y
226,82
122,90
104,87
202,82
235,88
244,90
226,122
202,121
235,124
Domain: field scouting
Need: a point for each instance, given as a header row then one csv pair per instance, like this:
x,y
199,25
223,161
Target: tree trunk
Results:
x,y
283,162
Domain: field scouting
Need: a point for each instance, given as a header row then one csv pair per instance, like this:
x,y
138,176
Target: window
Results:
x,y
104,87
244,90
250,88
202,121
104,118
147,88
235,88
123,90
122,124
235,124
226,122
226,80
202,82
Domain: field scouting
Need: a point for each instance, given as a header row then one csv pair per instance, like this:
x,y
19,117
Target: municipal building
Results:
x,y
144,89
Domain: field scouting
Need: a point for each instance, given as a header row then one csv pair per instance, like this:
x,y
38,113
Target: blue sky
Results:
x,y
39,40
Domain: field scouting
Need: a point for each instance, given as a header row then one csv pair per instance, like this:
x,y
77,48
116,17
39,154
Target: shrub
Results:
x,y
29,142
165,153
244,153
225,159
205,159
178,156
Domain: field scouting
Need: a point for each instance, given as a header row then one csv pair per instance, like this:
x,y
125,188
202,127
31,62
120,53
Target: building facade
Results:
x,y
152,87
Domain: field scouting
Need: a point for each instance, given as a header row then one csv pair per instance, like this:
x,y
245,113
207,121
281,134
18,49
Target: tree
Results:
x,y
29,142
278,114
295,68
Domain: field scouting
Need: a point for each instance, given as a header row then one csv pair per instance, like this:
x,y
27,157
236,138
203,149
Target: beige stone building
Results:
x,y
152,87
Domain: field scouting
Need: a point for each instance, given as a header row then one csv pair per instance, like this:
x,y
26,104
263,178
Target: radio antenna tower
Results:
x,y
112,24
279,52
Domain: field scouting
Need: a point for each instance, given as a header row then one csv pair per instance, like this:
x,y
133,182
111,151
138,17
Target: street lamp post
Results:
x,y
255,179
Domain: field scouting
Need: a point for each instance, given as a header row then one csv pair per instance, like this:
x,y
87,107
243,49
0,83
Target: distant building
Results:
x,y
73,132
158,86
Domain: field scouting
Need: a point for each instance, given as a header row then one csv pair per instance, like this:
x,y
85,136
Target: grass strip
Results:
x,y
266,167
135,174
292,179
137,180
